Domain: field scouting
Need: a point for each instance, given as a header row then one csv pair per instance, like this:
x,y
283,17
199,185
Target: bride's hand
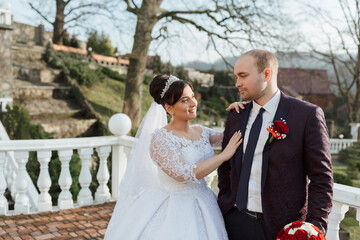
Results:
x,y
232,145
236,106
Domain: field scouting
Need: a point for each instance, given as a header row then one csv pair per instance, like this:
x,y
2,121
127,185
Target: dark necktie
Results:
x,y
242,193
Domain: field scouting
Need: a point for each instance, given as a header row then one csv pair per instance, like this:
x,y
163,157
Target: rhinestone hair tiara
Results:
x,y
168,83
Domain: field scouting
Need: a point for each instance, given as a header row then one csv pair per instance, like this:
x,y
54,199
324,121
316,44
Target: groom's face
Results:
x,y
249,81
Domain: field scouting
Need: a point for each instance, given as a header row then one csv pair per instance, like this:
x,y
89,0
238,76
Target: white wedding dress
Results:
x,y
186,210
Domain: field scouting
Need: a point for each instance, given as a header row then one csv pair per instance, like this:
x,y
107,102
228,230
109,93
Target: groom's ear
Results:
x,y
267,73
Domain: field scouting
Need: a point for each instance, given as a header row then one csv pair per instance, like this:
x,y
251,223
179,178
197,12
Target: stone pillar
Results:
x,y
354,127
6,27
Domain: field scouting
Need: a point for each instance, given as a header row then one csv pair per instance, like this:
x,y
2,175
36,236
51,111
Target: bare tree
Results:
x,y
68,14
231,21
342,51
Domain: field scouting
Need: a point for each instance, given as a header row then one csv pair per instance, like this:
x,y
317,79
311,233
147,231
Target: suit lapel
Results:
x,y
242,127
281,113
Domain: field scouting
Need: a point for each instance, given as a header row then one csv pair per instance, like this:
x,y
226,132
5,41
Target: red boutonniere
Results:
x,y
278,130
300,230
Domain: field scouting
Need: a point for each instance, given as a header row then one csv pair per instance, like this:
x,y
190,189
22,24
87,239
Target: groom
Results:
x,y
269,183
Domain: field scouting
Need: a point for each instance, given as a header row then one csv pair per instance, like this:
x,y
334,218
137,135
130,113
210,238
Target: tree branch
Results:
x,y
41,15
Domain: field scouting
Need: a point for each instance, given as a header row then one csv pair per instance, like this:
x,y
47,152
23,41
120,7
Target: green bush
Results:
x,y
17,124
113,74
80,71
342,179
350,154
83,74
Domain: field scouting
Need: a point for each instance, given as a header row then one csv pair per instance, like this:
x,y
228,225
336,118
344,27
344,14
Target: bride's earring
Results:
x,y
172,116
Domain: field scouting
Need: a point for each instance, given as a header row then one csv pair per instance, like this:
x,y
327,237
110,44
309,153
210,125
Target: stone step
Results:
x,y
65,128
40,74
51,106
23,90
31,57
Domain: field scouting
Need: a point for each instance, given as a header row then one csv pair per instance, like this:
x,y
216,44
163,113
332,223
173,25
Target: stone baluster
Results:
x,y
65,198
4,207
102,193
44,182
336,216
85,198
22,204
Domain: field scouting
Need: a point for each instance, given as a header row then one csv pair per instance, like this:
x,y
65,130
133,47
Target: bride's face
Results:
x,y
185,108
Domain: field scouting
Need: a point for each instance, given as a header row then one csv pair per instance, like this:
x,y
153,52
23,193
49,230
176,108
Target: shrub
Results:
x,y
80,71
350,154
83,74
113,74
342,179
17,124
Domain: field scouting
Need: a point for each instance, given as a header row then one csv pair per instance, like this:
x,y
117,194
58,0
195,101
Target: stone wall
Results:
x,y
5,62
30,35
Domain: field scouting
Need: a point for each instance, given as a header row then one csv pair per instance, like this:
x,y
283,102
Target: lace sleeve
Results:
x,y
215,137
167,156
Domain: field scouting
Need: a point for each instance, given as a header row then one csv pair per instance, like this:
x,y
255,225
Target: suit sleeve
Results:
x,y
317,163
224,169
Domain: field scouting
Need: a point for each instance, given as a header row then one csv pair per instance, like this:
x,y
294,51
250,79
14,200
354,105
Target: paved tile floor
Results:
x,y
79,223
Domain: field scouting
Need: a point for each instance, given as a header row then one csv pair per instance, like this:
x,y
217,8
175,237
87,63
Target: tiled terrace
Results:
x,y
78,223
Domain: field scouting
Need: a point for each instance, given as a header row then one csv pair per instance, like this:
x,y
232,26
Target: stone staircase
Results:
x,y
49,102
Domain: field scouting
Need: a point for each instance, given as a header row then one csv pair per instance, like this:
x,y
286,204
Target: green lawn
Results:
x,y
107,97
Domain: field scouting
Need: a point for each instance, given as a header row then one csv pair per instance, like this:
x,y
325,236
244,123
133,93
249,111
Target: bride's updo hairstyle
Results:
x,y
173,93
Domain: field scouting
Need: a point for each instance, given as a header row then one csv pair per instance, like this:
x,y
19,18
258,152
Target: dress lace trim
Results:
x,y
165,152
167,156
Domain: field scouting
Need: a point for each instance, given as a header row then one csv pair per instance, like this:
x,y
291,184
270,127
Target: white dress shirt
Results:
x,y
254,193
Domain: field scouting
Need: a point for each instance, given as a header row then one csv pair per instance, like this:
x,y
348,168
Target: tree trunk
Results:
x,y
138,58
59,22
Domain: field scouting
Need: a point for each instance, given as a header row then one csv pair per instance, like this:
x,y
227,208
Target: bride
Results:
x,y
170,199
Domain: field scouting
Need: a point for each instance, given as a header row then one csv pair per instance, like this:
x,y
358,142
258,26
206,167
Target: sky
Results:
x,y
185,48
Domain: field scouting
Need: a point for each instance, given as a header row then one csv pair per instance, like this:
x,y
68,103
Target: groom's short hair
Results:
x,y
263,59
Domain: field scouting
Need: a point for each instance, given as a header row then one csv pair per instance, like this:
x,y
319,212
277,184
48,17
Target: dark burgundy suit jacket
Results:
x,y
288,165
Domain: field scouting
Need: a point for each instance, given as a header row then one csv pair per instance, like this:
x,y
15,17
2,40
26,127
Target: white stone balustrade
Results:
x,y
344,197
5,14
338,144
120,147
4,101
13,175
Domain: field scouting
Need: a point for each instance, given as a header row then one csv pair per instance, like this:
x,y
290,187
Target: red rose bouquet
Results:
x,y
278,130
300,231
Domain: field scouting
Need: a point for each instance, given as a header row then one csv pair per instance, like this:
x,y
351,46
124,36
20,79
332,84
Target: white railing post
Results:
x,y
84,198
336,216
118,164
4,207
22,204
119,125
44,182
102,192
65,198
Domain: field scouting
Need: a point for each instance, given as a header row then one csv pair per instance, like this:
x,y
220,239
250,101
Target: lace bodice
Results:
x,y
177,156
